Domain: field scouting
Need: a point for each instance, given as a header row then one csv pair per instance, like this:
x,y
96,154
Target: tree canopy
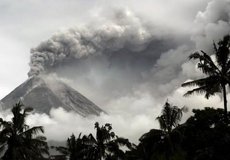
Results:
x,y
20,142
216,69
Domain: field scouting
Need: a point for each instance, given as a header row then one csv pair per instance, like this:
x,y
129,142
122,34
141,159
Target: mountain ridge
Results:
x,y
42,95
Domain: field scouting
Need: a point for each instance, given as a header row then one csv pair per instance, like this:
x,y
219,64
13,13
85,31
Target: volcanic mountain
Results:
x,y
42,95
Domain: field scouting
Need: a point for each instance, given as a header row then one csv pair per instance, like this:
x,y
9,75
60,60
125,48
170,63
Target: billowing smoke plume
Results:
x,y
212,24
123,53
115,56
128,67
123,30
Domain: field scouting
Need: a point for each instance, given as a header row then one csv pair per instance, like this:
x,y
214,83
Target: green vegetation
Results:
x,y
204,136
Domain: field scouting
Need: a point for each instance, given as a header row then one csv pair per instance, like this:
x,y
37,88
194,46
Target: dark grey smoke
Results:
x,y
123,37
115,57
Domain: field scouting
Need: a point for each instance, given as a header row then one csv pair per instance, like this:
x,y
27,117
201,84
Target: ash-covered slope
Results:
x,y
43,94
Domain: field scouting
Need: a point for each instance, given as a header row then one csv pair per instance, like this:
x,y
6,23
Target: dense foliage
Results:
x,y
204,136
18,141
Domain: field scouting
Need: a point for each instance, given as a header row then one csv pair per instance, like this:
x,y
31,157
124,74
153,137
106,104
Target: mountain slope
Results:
x,y
43,95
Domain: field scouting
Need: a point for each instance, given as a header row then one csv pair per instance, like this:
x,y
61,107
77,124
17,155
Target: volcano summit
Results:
x,y
43,94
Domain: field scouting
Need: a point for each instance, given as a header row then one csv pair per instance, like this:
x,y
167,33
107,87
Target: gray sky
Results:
x,y
126,56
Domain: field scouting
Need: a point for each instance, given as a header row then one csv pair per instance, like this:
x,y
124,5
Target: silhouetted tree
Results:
x,y
217,71
165,143
170,117
206,135
18,141
106,145
75,148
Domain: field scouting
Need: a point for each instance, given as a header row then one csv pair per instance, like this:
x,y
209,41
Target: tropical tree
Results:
x,y
164,143
18,141
206,135
170,117
75,148
106,145
217,71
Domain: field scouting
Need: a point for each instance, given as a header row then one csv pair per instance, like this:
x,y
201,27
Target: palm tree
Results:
x,y
170,117
164,143
217,71
75,148
18,140
106,145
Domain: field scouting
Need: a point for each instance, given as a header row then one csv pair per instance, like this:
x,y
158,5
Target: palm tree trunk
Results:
x,y
225,101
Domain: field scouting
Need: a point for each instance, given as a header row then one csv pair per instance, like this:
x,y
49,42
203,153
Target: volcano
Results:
x,y
42,95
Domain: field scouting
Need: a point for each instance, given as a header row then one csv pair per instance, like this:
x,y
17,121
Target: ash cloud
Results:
x,y
122,31
115,56
122,53
212,24
128,65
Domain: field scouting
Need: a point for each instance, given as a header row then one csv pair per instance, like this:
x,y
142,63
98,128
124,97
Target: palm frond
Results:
x,y
208,87
195,55
3,147
203,81
170,117
176,116
206,64
33,131
91,139
222,52
152,134
199,90
207,69
161,121
209,66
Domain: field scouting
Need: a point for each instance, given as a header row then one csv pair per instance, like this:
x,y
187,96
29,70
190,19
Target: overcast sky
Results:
x,y
126,56
26,23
